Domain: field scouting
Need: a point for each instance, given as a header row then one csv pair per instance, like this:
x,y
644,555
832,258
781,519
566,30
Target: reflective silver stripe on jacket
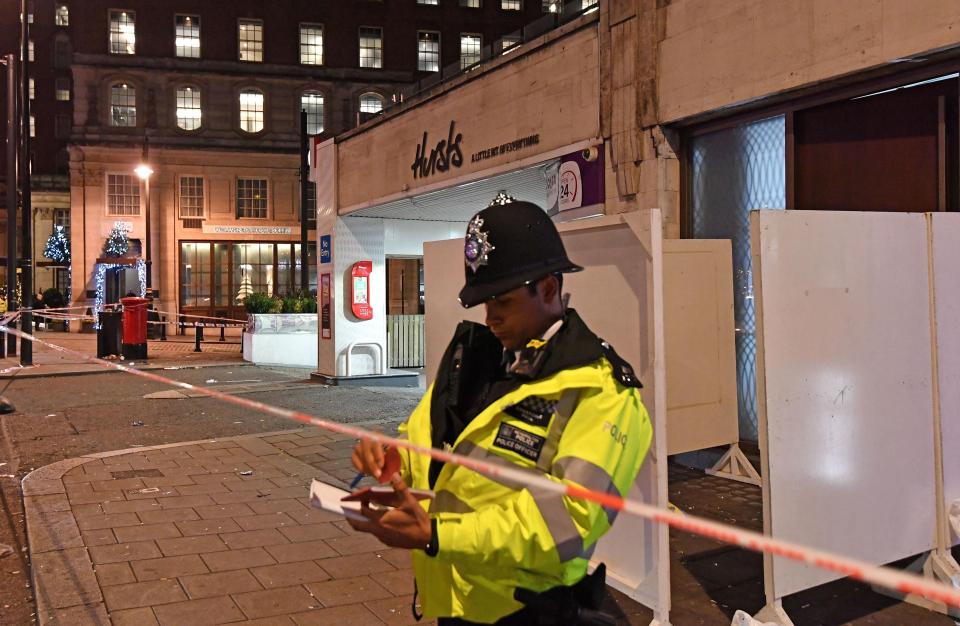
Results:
x,y
564,410
588,475
566,536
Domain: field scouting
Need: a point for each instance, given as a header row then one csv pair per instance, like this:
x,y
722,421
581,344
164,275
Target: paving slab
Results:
x,y
132,537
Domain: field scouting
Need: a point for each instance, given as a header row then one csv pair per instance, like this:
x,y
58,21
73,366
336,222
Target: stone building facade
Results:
x,y
223,129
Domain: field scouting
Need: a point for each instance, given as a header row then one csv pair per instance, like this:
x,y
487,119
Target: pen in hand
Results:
x,y
391,464
356,480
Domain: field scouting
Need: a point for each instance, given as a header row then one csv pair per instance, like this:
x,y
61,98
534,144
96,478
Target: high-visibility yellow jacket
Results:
x,y
577,425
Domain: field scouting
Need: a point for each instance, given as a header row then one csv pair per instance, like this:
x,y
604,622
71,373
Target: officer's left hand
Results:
x,y
406,525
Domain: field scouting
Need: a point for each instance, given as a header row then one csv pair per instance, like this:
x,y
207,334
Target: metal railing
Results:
x,y
405,341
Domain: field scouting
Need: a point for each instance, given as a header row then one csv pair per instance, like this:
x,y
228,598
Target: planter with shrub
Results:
x,y
281,331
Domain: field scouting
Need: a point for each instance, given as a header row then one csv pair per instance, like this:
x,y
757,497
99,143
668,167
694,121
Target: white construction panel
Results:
x,y
701,351
845,392
946,263
619,295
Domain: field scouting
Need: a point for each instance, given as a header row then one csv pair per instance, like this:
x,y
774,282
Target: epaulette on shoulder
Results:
x,y
622,370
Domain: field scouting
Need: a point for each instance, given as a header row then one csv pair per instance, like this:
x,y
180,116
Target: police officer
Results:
x,y
534,388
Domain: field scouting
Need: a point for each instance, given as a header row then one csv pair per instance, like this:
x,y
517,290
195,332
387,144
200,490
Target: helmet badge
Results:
x,y
476,245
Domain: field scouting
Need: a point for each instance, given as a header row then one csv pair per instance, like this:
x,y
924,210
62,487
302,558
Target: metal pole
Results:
x,y
11,63
149,250
26,347
304,181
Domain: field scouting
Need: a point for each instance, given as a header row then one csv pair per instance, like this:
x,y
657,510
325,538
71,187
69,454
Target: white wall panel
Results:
x,y
358,239
845,361
701,356
946,263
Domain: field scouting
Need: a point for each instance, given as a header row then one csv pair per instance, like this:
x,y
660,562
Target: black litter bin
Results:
x,y
110,334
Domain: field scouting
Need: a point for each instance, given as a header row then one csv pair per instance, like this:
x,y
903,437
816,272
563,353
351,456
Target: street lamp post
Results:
x,y
12,155
26,257
144,171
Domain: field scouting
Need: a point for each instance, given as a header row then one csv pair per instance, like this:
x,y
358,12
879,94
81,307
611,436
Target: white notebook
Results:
x,y
328,498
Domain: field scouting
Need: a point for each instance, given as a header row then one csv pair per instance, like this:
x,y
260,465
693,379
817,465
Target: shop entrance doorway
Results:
x,y
405,307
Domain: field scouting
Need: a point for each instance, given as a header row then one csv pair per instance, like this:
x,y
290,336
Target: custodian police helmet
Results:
x,y
507,245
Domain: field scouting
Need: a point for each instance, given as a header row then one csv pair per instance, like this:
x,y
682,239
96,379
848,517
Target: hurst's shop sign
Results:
x,y
447,154
441,158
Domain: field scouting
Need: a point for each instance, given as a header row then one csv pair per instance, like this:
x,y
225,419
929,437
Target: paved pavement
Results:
x,y
174,533
179,534
178,350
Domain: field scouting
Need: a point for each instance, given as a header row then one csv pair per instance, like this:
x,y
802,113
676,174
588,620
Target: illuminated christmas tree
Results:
x,y
58,247
117,243
246,288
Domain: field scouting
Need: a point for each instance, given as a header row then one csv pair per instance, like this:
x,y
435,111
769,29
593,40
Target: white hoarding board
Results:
x,y
844,387
946,262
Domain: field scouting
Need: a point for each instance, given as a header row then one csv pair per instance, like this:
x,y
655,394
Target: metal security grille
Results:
x,y
735,171
405,341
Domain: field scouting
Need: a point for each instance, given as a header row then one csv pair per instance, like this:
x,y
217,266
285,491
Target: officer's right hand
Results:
x,y
368,457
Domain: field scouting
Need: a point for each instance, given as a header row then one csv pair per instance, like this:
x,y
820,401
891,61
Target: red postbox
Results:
x,y
134,328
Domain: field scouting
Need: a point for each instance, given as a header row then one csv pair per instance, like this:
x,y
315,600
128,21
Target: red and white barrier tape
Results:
x,y
902,582
202,317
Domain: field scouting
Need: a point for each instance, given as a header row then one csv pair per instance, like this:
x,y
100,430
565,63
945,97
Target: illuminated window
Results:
x,y
191,196
123,194
123,36
311,44
428,51
371,103
509,42
471,4
123,105
33,90
371,47
250,39
251,110
469,50
187,36
30,54
511,5
189,112
312,103
33,126
62,15
63,89
586,4
433,2
252,197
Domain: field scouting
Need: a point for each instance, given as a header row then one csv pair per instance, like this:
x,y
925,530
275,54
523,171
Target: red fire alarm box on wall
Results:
x,y
360,289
